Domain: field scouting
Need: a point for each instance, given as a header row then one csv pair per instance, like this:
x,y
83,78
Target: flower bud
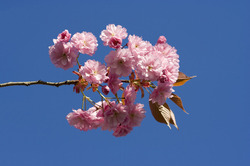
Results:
x,y
115,42
105,90
161,40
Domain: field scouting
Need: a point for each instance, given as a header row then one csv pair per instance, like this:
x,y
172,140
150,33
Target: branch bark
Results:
x,y
39,82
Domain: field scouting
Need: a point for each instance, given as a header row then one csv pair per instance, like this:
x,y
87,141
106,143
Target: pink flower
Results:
x,y
136,114
129,95
93,71
84,120
113,35
114,114
122,130
85,42
150,67
172,71
120,62
63,55
170,61
114,83
138,47
161,93
161,40
63,37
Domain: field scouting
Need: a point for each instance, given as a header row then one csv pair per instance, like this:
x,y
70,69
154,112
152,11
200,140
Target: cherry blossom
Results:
x,y
85,42
138,47
150,67
122,130
161,93
114,83
94,72
129,95
63,55
170,61
113,35
136,114
120,62
84,120
114,114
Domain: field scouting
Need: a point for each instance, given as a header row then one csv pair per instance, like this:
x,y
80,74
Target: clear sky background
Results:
x,y
212,39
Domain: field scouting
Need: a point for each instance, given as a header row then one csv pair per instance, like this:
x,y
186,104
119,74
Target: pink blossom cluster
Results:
x,y
108,116
64,52
143,63
152,63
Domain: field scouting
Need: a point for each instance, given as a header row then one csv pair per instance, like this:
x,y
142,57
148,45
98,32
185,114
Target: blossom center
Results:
x,y
84,43
120,62
150,68
94,73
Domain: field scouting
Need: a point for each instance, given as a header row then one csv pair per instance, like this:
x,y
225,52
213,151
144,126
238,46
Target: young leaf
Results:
x,y
182,79
123,98
163,114
177,100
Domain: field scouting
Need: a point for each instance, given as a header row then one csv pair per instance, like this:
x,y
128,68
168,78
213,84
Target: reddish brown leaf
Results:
x,y
163,114
182,79
142,92
177,100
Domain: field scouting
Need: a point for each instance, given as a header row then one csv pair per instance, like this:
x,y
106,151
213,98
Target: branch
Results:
x,y
40,82
57,84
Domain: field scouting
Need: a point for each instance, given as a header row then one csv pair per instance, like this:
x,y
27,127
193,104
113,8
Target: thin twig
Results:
x,y
39,82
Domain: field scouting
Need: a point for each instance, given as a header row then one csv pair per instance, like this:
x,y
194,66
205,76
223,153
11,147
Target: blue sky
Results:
x,y
212,39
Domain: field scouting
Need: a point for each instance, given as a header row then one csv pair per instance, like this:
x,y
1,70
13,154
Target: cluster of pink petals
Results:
x,y
113,35
122,118
129,95
114,83
136,114
85,42
150,67
114,115
93,72
63,55
109,116
122,130
138,47
120,62
170,61
84,120
161,93
63,37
